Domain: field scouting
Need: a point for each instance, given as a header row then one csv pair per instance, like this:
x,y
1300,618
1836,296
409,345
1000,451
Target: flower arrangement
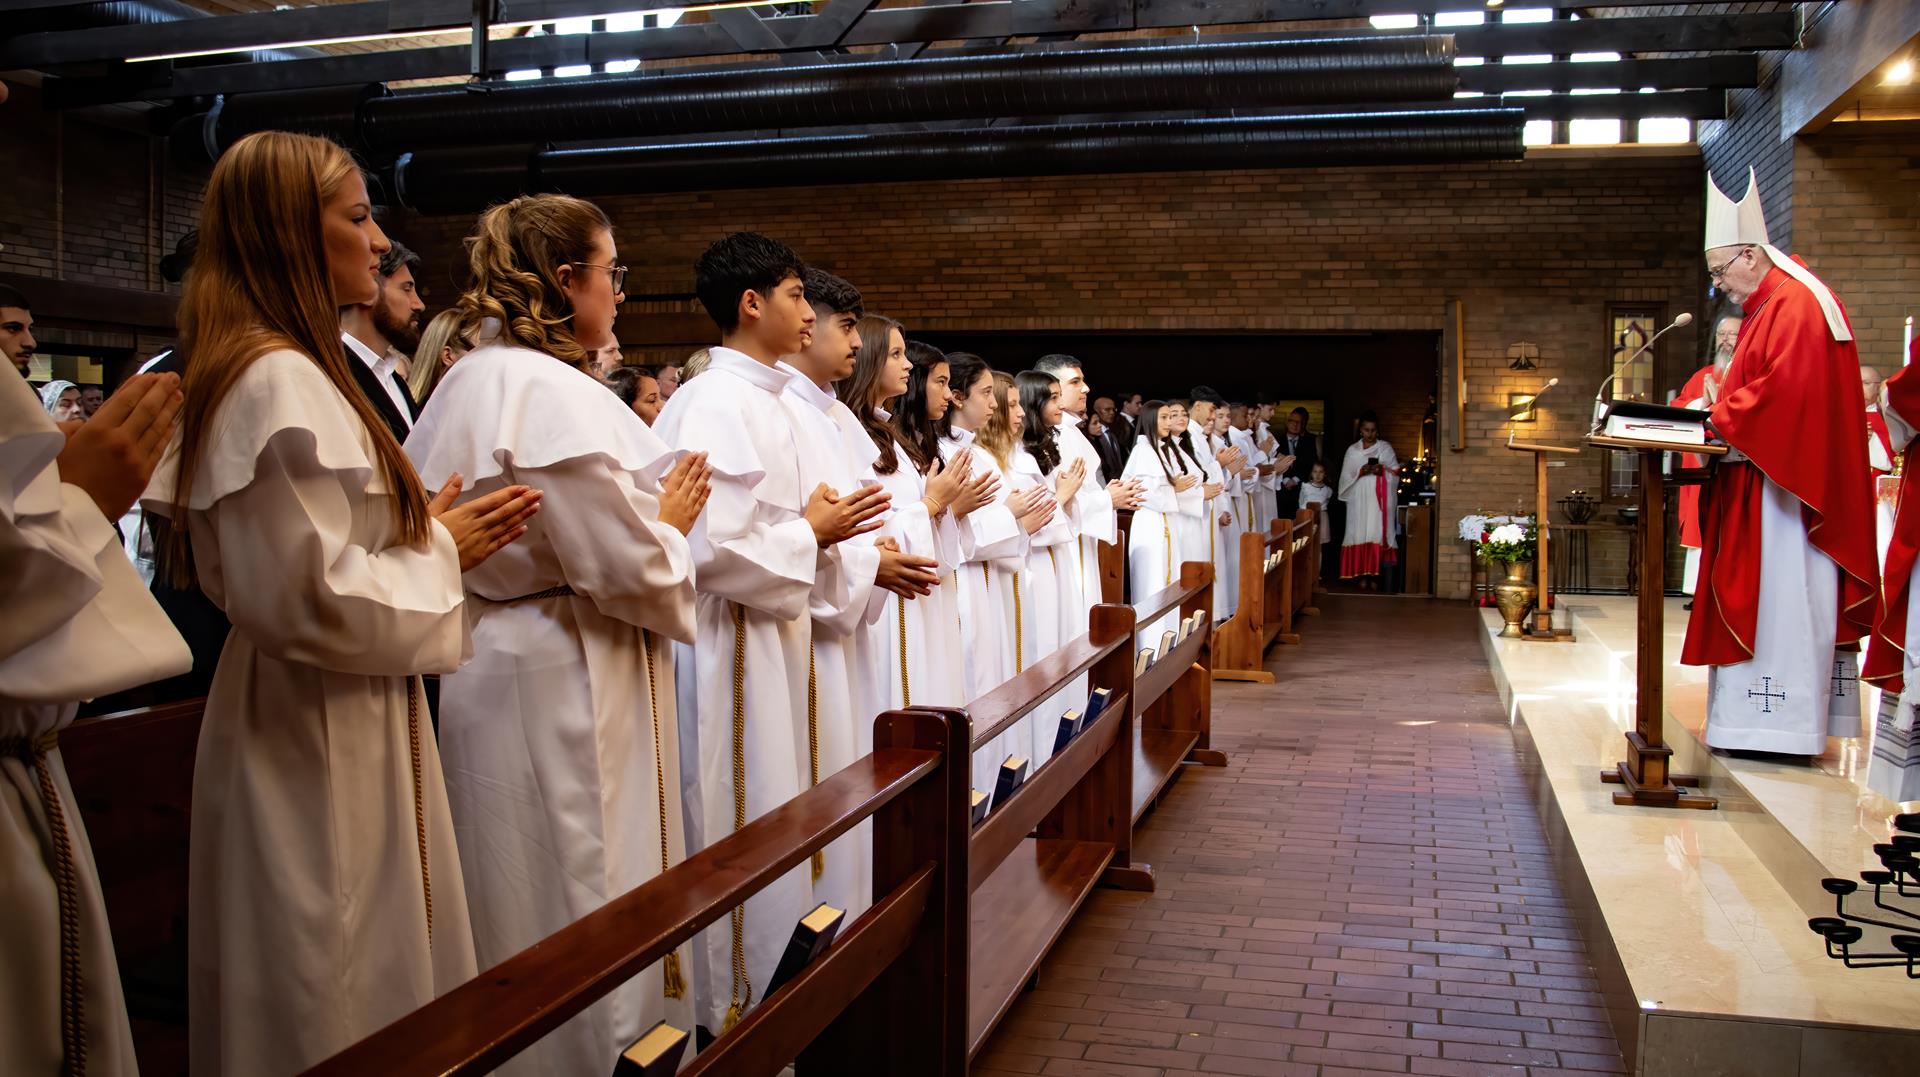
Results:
x,y
1474,526
1508,543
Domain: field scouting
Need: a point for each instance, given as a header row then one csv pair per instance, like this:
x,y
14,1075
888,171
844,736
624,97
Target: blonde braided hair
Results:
x,y
514,257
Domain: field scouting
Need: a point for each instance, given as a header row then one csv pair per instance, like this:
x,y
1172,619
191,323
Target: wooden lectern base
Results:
x,y
1538,627
1660,789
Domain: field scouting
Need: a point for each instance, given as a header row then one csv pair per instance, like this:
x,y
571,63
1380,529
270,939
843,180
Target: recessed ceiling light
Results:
x,y
1901,73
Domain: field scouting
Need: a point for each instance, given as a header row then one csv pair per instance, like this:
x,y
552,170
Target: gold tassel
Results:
x,y
813,750
674,984
739,999
732,1018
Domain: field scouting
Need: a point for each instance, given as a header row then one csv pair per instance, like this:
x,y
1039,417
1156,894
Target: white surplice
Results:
x,y
1782,699
920,638
1051,591
843,604
559,738
755,558
79,624
994,549
867,662
1154,552
1894,771
1319,493
1226,559
1259,513
1092,511
308,912
1370,502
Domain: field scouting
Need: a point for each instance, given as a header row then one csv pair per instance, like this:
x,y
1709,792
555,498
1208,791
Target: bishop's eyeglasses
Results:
x,y
1713,272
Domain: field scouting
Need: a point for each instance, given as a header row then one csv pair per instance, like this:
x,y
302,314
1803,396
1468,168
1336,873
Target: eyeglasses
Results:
x,y
1714,272
616,274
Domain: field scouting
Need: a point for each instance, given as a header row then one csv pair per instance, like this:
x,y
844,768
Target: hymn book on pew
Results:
x,y
655,1054
1013,774
1069,728
1144,662
1167,640
977,804
811,937
1097,701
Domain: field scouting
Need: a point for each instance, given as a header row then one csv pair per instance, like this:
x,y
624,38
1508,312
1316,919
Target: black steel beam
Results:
x,y
1692,73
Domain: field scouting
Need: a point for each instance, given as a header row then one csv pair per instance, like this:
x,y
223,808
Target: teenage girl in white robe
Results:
x,y
1052,575
1173,490
560,736
1226,559
324,888
80,623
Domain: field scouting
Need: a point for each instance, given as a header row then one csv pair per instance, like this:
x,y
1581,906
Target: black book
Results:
x,y
655,1054
1013,773
1069,728
811,937
1097,702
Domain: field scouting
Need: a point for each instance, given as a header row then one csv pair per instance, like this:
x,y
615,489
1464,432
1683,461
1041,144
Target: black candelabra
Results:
x,y
1899,881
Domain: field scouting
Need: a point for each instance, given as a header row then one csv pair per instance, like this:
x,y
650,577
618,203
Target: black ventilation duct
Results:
x,y
457,180
1265,74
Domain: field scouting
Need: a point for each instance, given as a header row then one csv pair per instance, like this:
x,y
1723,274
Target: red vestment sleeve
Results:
x,y
1886,654
1793,408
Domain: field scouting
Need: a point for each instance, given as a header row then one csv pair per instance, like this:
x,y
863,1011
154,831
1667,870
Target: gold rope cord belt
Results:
x,y
673,985
1166,536
419,800
66,881
906,690
561,591
1019,642
813,750
738,1001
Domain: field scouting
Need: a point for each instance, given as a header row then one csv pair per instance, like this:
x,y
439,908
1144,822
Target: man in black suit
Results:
x,y
1116,436
1305,450
382,335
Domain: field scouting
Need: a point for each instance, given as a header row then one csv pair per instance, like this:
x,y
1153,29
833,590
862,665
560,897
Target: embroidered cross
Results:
x,y
1843,682
1766,695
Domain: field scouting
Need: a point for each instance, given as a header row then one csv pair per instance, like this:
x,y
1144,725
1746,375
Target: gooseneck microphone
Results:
x,y
1600,396
1531,405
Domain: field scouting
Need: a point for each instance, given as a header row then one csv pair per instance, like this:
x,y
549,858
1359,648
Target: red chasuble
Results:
x,y
1886,654
1791,403
1694,389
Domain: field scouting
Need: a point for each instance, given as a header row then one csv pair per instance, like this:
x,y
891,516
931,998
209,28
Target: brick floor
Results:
x,y
1364,889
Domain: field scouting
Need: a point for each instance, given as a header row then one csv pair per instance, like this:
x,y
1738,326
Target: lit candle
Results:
x,y
1906,343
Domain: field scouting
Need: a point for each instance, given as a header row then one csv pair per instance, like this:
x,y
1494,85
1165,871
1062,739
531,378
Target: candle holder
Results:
x,y
1895,893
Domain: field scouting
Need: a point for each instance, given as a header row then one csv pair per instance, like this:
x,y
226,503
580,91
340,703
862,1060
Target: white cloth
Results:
x,y
559,738
1367,522
1319,493
79,623
842,606
1781,700
919,637
1894,769
1051,596
307,926
1153,547
1226,563
866,661
384,368
756,560
995,549
1092,513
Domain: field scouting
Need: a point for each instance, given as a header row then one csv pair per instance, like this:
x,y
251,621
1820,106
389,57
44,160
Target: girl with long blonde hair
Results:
x,y
324,892
561,737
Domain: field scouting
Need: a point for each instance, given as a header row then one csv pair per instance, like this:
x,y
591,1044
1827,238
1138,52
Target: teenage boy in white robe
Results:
x,y
1095,508
757,553
851,594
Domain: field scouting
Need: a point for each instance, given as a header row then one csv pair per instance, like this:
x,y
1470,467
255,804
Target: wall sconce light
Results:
x,y
1520,407
1521,356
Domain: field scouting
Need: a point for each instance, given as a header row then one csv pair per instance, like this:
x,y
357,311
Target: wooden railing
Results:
x,y
1173,701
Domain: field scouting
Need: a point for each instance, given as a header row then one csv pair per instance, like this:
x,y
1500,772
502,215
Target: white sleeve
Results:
x,y
756,563
613,547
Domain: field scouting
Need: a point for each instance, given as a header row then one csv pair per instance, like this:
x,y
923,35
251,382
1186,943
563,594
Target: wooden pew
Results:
x,y
1300,569
132,777
1173,700
887,997
1034,860
1241,641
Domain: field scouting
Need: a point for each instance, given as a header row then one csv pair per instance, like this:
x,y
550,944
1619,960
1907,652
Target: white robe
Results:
x,y
1226,559
919,638
1154,553
1259,513
1051,592
307,915
995,552
559,738
1319,493
755,559
1092,512
1368,524
1894,771
843,605
1783,698
79,623
866,660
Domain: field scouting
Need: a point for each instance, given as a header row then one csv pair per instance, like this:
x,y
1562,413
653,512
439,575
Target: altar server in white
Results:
x,y
1369,486
1052,579
324,888
757,550
1173,490
559,737
79,624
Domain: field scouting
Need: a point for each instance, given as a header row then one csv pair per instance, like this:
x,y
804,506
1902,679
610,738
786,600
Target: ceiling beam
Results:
x,y
1691,73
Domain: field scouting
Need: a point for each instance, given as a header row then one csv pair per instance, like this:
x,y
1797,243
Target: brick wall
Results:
x,y
1857,196
1536,249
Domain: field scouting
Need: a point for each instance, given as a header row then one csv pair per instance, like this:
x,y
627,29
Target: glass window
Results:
x,y
1628,331
1460,18
1394,22
1666,129
1593,132
1538,133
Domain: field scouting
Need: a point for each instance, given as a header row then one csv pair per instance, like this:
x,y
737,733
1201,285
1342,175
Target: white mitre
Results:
x,y
1744,223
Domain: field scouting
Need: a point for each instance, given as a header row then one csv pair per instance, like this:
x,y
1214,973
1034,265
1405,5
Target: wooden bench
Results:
x,y
1272,595
1173,700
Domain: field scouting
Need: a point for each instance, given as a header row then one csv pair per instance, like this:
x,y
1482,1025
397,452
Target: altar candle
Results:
x,y
1906,344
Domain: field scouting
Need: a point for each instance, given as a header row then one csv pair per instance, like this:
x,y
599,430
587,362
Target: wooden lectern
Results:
x,y
1644,772
1541,627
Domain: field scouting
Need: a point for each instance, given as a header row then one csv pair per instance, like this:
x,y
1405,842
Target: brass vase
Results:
x,y
1514,596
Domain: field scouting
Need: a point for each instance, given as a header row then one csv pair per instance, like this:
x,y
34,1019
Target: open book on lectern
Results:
x,y
1635,421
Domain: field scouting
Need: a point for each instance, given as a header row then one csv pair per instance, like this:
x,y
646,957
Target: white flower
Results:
x,y
1472,527
1512,534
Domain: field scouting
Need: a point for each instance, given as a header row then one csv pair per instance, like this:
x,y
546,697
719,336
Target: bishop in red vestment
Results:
x,y
1894,771
1788,567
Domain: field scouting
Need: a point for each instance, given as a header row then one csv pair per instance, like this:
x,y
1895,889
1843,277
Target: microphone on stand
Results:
x,y
1600,396
1532,403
